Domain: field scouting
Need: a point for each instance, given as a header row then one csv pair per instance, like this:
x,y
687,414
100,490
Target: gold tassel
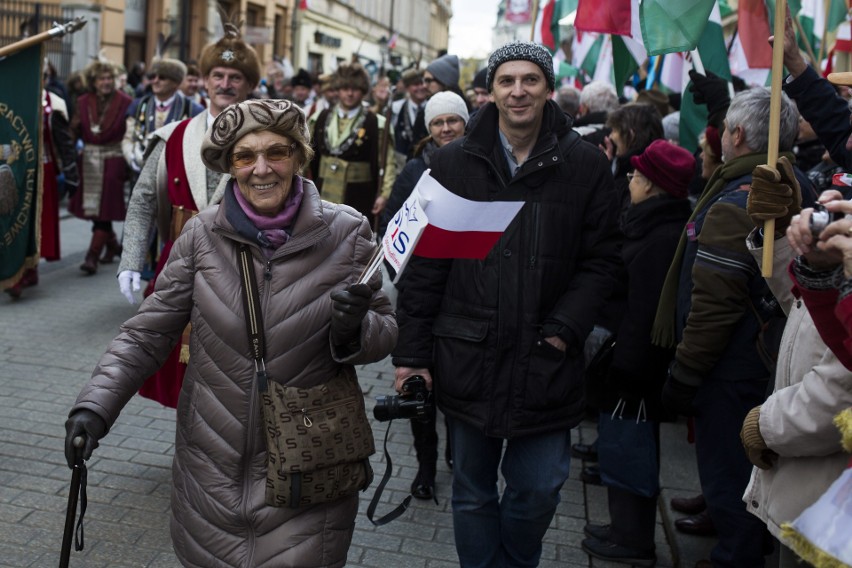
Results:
x,y
807,550
843,421
184,345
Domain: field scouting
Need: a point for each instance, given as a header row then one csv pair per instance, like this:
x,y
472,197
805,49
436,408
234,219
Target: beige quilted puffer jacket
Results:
x,y
219,518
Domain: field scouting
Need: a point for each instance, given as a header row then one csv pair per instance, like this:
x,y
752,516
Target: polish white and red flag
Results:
x,y
436,223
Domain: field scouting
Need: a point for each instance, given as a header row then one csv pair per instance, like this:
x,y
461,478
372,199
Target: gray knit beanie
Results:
x,y
526,51
445,102
445,69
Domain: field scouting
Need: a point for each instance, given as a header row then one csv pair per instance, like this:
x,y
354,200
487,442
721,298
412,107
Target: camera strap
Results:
x,y
400,509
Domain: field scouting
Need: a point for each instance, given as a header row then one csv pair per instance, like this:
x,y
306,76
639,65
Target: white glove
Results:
x,y
125,279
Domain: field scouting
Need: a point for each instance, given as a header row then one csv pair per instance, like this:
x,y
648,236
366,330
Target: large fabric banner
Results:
x,y
20,163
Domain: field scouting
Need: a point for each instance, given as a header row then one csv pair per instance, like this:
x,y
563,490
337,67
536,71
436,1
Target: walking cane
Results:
x,y
78,480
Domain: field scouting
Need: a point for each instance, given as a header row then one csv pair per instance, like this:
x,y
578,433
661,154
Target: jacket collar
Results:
x,y
482,137
309,227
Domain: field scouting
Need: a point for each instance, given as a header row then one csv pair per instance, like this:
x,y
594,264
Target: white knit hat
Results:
x,y
445,102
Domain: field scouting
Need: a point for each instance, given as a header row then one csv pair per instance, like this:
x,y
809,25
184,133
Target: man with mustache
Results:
x,y
174,185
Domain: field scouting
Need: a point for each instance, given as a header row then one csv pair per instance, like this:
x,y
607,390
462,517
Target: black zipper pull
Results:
x,y
267,275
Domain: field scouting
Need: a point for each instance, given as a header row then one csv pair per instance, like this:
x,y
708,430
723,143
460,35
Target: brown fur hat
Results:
x,y
351,75
231,51
173,69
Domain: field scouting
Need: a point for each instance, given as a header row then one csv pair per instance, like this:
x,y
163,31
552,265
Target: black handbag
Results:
x,y
627,451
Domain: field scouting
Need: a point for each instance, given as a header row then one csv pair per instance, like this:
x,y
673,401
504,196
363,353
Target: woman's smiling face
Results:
x,y
266,183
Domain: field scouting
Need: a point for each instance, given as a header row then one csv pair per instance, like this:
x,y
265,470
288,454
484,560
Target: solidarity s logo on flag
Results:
x,y
436,223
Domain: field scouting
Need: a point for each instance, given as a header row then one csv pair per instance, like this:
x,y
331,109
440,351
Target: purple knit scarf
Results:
x,y
272,230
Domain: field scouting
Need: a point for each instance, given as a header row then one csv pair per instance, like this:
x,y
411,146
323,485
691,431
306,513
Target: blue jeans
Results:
x,y
491,531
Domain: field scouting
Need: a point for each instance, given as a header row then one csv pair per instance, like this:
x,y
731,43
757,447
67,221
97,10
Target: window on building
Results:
x,y
315,66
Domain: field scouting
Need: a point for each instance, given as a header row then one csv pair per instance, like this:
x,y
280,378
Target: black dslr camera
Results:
x,y
822,218
414,402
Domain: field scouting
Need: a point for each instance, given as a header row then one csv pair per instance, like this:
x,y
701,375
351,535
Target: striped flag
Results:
x,y
752,31
436,223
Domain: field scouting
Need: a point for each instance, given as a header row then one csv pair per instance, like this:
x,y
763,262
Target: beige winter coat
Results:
x,y
219,517
811,387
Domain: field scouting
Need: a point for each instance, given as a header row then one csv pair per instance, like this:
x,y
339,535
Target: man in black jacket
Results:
x,y
503,337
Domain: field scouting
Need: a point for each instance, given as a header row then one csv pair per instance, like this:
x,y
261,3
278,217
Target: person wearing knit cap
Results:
x,y
302,85
348,166
174,184
408,122
446,114
500,337
480,88
657,213
442,74
711,151
165,104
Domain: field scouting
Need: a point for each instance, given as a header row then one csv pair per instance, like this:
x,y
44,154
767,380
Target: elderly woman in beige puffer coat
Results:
x,y
307,255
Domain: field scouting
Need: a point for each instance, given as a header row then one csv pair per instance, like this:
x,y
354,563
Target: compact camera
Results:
x,y
414,402
822,218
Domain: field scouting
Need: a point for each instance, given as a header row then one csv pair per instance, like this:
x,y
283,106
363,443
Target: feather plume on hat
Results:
x,y
231,51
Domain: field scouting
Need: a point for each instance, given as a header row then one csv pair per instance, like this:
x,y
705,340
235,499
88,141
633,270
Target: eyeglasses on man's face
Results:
x,y
277,153
450,121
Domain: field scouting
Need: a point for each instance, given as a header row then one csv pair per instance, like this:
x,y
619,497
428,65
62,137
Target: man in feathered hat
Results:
x,y
174,184
165,104
347,145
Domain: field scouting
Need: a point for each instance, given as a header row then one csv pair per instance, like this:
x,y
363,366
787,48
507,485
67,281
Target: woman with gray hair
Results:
x,y
316,322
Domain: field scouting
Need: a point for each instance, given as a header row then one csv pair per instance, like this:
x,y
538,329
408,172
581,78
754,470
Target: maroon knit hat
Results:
x,y
714,140
668,166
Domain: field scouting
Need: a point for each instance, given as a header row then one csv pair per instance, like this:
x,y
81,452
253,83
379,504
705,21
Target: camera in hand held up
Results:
x,y
414,402
822,218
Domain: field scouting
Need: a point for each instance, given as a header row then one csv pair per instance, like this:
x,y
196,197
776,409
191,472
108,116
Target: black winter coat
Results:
x,y
478,325
651,232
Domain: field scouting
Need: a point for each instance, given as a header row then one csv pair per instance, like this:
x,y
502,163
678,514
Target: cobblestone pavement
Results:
x,y
49,342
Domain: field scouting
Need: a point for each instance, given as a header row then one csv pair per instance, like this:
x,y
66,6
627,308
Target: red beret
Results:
x,y
667,166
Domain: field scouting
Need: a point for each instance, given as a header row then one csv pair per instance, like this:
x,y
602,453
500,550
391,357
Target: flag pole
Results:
x,y
808,48
58,30
774,125
534,18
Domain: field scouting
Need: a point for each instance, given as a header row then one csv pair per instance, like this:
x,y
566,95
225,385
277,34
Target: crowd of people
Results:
x,y
628,288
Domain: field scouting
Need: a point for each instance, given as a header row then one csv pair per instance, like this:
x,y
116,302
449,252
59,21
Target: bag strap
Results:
x,y
254,318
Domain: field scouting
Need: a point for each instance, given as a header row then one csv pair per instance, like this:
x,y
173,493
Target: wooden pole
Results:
x,y
774,125
808,48
58,30
533,18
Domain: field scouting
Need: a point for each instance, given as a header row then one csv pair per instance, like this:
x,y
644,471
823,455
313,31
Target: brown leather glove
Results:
x,y
755,446
775,194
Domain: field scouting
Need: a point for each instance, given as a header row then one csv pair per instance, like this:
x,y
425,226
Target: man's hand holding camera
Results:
x,y
402,374
823,235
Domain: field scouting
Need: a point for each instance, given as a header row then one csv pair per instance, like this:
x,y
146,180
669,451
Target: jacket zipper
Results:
x,y
534,236
305,412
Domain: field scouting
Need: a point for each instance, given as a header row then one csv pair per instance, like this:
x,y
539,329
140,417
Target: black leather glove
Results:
x,y
90,426
679,390
348,308
710,90
775,194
